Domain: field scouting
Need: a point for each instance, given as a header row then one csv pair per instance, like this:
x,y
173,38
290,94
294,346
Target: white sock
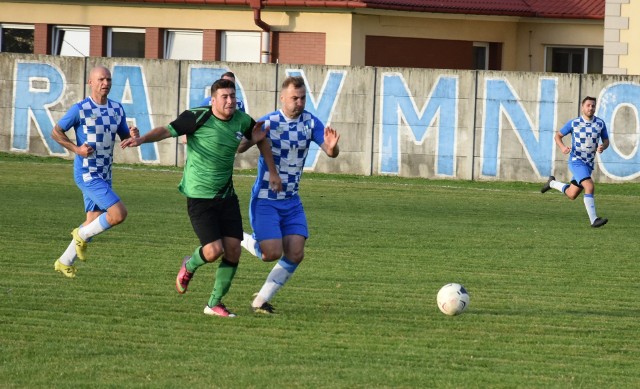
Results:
x,y
557,185
590,205
99,225
69,255
279,275
251,245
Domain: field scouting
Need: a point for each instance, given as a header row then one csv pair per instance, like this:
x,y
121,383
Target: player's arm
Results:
x,y
187,123
604,145
604,135
275,182
330,144
558,138
124,131
155,135
245,144
61,137
257,134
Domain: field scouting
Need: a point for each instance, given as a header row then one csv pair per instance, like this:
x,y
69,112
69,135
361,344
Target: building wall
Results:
x,y
333,27
615,47
300,47
444,124
418,52
630,37
345,33
533,36
440,27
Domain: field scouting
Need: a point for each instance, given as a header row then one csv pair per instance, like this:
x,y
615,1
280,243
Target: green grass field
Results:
x,y
554,303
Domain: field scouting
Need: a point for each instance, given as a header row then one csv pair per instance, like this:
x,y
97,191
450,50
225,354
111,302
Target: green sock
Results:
x,y
196,261
224,276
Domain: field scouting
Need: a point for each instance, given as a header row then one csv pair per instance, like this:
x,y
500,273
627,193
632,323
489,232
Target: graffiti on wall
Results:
x,y
39,86
398,107
536,137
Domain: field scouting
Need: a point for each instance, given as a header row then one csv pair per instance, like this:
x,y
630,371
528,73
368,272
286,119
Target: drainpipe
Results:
x,y
265,53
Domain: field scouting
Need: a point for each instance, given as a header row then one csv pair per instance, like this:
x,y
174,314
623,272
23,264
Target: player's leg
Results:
x,y
580,172
250,244
582,179
266,240
99,197
249,241
295,233
230,222
65,264
204,220
552,183
573,190
590,204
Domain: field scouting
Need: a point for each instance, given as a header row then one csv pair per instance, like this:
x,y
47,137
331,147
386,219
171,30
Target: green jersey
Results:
x,y
211,151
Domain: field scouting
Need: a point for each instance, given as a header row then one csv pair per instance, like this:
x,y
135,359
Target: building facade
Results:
x,y
573,36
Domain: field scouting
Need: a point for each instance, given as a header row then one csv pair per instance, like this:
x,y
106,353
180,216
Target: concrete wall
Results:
x,y
392,121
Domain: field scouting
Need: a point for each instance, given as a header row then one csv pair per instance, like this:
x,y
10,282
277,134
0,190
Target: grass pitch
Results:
x,y
554,303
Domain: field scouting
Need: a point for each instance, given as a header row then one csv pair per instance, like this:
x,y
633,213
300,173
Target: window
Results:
x,y
125,42
480,56
574,60
16,38
183,45
71,41
240,46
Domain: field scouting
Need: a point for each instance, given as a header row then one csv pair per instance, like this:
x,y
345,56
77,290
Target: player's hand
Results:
x,y
131,142
275,183
258,133
134,132
85,150
331,137
566,150
600,149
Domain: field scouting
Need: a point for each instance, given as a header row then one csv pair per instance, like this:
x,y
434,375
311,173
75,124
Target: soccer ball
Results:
x,y
453,299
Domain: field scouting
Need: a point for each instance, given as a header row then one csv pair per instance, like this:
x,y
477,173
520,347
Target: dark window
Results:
x,y
126,43
574,60
480,57
17,40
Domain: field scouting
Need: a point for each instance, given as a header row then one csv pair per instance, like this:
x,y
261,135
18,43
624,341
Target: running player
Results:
x,y
277,216
213,136
586,132
96,121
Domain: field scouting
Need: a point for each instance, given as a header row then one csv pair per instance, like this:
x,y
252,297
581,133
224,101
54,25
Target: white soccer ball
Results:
x,y
453,299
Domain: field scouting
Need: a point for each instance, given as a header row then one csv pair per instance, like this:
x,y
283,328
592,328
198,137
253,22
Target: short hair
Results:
x,y
228,74
222,84
588,98
296,81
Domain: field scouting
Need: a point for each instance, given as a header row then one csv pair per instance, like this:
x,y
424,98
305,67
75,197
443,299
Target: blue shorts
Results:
x,y
273,219
98,195
581,171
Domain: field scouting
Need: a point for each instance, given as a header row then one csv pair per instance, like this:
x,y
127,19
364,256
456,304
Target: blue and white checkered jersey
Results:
x,y
584,138
96,125
290,141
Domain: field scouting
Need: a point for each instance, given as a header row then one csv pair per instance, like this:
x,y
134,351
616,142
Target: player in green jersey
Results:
x,y
213,135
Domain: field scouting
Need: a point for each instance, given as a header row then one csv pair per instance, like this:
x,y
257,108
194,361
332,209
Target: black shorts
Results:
x,y
213,219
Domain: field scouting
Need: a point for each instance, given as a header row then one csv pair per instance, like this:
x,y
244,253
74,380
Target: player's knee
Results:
x,y
572,196
271,255
211,252
116,214
232,254
295,257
